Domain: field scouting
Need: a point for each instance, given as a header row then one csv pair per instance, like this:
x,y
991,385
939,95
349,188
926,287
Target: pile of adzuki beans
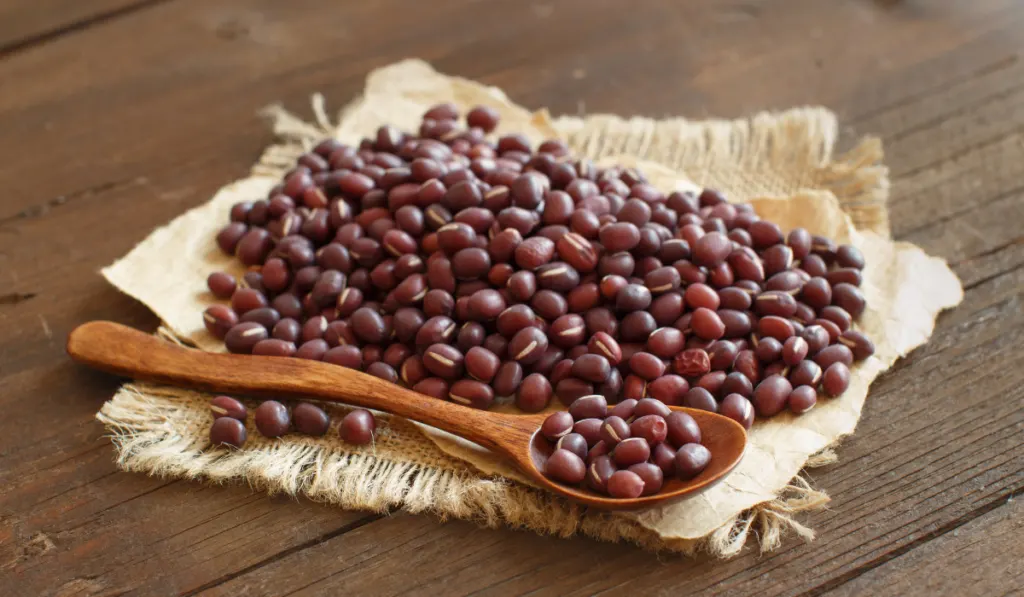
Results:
x,y
470,269
626,450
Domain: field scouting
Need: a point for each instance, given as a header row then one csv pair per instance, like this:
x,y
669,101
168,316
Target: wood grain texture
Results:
x,y
115,128
28,23
983,554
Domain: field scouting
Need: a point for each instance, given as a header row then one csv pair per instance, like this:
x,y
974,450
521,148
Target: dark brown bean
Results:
x,y
836,353
313,350
817,338
244,336
746,265
849,298
380,369
534,252
272,347
633,297
272,419
557,425
600,470
817,293
534,393
587,407
691,460
739,409
469,392
568,331
849,256
591,367
662,279
549,305
470,334
647,366
227,431
310,419
652,476
665,342
713,382
604,345
432,386
527,345
574,443
436,330
631,451
357,427
711,249
508,378
859,344
669,389
681,429
737,383
749,365
614,430
226,406
590,429
481,364
221,284
620,236
772,326
411,370
624,484
444,361
805,373
802,399
700,398
771,394
570,389
692,362
651,428
707,324
794,350
650,406
345,355
836,379
219,320
577,251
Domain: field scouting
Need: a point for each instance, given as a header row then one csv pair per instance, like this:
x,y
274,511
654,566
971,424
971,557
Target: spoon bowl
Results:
x,y
124,351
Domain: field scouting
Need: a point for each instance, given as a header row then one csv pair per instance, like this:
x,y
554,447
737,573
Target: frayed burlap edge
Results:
x,y
162,431
765,150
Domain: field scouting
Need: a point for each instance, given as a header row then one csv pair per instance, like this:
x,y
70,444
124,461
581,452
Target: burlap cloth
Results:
x,y
782,162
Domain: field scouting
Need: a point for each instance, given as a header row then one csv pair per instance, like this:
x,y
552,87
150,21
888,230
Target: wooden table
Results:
x,y
117,115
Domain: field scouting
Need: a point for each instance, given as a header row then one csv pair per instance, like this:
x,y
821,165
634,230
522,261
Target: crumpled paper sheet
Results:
x,y
904,287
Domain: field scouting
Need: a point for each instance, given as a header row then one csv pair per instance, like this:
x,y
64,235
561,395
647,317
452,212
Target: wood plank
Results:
x,y
27,23
192,74
259,59
983,556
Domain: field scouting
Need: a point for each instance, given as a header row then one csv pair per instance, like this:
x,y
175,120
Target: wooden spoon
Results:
x,y
125,351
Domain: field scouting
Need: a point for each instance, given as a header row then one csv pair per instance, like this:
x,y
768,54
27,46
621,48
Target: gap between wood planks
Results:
x,y
952,525
43,37
287,552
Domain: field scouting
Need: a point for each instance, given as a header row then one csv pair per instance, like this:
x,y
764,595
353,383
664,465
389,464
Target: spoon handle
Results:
x,y
128,352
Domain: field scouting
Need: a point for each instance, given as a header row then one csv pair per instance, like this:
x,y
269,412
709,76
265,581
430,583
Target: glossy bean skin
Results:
x,y
358,427
272,419
227,431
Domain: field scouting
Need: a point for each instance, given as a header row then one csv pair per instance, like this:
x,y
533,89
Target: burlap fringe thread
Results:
x,y
731,155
